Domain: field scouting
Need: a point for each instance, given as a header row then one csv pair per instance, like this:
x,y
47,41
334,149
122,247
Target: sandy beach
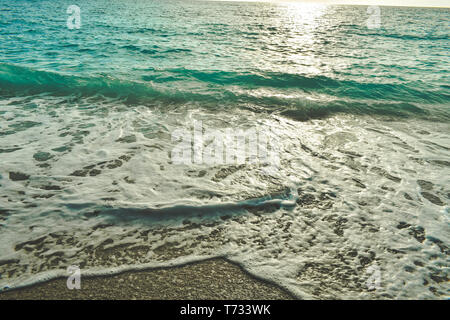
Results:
x,y
210,279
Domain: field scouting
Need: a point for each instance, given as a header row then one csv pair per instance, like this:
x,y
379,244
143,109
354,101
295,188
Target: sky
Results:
x,y
413,3
419,3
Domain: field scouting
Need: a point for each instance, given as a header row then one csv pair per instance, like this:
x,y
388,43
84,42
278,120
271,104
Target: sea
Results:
x,y
307,143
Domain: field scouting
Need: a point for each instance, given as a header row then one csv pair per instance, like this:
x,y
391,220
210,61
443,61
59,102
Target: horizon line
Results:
x,y
343,3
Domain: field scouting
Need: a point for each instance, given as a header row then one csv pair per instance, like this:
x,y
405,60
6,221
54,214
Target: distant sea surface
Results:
x,y
359,116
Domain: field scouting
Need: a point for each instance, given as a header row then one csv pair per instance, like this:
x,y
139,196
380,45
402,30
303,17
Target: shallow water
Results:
x,y
357,118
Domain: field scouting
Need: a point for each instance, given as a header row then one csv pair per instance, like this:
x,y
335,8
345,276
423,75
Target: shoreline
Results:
x,y
211,279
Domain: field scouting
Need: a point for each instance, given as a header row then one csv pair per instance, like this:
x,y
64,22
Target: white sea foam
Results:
x,y
103,193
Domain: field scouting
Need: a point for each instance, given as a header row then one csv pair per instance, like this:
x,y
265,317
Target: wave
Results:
x,y
269,203
341,96
427,36
316,84
27,81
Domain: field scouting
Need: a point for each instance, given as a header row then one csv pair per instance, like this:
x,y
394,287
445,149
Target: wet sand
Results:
x,y
210,279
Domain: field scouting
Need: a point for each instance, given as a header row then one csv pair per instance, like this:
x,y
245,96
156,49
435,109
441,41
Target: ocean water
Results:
x,y
356,204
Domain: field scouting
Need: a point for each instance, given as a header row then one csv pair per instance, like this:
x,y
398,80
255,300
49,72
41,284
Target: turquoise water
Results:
x,y
220,53
359,119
